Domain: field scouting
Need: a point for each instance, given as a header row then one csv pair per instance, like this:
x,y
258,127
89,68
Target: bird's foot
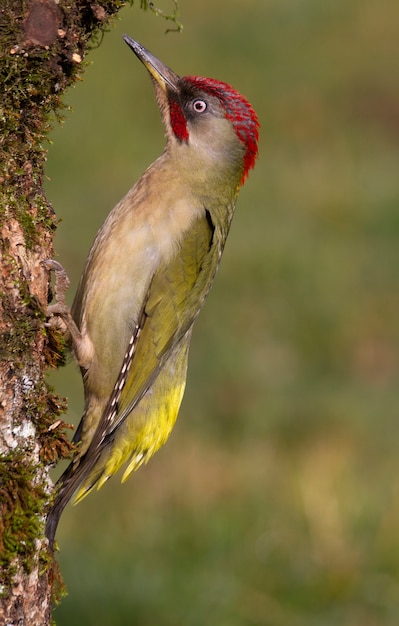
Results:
x,y
59,314
61,285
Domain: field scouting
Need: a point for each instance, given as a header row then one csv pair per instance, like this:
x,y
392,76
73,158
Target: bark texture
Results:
x,y
42,47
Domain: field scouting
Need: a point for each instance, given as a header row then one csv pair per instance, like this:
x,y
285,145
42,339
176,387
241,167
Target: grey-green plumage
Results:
x,y
148,274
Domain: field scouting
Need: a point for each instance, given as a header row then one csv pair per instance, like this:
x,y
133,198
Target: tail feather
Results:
x,y
65,487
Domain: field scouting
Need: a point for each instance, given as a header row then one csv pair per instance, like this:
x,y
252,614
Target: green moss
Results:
x,y
16,344
22,499
22,502
23,322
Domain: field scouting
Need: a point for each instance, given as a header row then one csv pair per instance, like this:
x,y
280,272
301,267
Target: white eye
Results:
x,y
199,106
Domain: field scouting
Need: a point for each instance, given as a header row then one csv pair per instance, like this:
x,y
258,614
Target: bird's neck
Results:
x,y
208,177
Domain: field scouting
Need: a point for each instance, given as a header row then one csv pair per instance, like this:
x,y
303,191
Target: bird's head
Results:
x,y
207,116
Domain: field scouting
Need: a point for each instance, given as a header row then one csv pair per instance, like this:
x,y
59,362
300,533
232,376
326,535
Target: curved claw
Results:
x,y
81,345
62,281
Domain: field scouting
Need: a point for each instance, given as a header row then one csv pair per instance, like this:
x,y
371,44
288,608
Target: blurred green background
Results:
x,y
276,500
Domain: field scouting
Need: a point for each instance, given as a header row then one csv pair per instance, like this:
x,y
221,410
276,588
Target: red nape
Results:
x,y
240,113
177,120
251,152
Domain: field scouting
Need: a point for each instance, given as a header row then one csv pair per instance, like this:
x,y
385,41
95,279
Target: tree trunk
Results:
x,y
42,45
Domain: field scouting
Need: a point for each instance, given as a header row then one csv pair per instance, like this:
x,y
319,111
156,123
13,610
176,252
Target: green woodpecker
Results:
x,y
147,276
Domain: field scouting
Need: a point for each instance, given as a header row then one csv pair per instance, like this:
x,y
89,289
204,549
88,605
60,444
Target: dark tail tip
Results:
x,y
65,487
53,518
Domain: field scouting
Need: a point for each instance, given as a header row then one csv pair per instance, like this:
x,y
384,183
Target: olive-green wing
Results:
x,y
176,294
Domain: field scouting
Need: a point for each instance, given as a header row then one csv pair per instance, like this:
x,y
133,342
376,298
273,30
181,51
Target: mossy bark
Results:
x,y
42,47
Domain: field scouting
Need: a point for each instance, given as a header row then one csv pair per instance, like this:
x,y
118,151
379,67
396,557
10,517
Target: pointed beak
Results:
x,y
161,73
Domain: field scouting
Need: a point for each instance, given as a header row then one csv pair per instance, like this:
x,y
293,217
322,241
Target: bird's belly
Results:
x,y
150,423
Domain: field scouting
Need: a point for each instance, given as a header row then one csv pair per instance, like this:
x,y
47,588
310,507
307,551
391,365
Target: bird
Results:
x,y
147,276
